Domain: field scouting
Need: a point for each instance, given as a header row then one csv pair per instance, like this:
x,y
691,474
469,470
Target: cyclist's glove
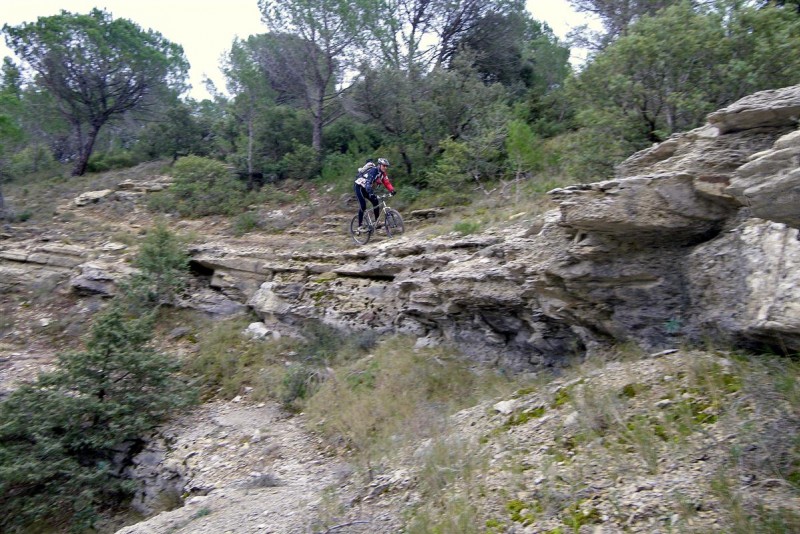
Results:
x,y
393,193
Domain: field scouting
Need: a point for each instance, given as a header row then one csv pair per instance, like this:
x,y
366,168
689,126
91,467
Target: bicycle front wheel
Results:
x,y
394,223
360,235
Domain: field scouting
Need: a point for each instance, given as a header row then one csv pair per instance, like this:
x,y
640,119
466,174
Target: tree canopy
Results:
x,y
97,68
436,86
328,31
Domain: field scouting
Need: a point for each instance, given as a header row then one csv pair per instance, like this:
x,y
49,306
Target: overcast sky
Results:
x,y
206,28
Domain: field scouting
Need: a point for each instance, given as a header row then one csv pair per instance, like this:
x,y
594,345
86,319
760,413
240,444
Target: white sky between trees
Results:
x,y
206,28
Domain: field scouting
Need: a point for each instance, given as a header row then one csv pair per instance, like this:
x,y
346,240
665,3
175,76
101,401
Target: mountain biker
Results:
x,y
368,176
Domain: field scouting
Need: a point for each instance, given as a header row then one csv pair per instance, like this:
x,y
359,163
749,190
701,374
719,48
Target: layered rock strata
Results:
x,y
694,238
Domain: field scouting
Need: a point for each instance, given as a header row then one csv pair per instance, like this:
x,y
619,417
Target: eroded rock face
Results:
x,y
445,290
769,184
36,263
745,285
659,209
694,238
774,108
697,237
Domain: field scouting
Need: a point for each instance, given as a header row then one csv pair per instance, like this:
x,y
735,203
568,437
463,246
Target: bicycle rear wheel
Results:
x,y
394,223
360,236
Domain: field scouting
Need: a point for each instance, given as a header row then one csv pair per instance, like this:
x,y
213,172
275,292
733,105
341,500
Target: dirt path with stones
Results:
x,y
262,473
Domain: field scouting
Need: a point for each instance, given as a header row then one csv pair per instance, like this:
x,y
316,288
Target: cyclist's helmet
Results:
x,y
383,161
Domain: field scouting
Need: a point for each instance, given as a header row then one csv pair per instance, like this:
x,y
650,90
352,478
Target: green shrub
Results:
x,y
245,222
301,164
31,160
163,270
17,217
467,227
60,435
339,171
162,202
107,161
323,344
202,187
270,194
299,383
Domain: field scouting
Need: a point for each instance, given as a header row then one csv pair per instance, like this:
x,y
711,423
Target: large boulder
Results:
x,y
765,109
769,184
649,210
745,286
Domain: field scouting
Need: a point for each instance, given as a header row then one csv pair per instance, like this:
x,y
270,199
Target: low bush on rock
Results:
x,y
64,437
202,187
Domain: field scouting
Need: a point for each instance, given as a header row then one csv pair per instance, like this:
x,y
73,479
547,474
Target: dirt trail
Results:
x,y
267,473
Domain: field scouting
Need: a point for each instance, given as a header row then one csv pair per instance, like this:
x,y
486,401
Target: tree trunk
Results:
x,y
406,159
318,117
85,152
250,145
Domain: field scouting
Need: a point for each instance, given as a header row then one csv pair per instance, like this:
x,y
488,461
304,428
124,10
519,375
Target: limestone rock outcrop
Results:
x,y
694,238
768,183
707,250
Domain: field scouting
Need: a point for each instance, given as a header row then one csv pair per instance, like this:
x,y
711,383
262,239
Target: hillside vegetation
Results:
x,y
130,396
695,440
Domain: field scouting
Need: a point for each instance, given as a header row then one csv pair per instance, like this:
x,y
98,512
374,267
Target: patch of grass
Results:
x,y
448,460
494,526
126,238
458,514
329,511
6,321
525,391
628,351
523,417
561,397
745,514
289,370
563,449
578,514
299,383
522,512
449,482
631,390
398,393
227,362
645,438
202,512
363,378
598,410
467,227
246,222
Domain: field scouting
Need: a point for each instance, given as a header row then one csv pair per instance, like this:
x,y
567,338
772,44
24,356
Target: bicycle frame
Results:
x,y
369,212
392,222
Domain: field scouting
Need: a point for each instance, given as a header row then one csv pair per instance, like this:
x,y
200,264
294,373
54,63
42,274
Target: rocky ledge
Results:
x,y
694,238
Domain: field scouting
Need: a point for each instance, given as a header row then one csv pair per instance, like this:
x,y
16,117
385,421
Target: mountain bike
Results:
x,y
388,220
